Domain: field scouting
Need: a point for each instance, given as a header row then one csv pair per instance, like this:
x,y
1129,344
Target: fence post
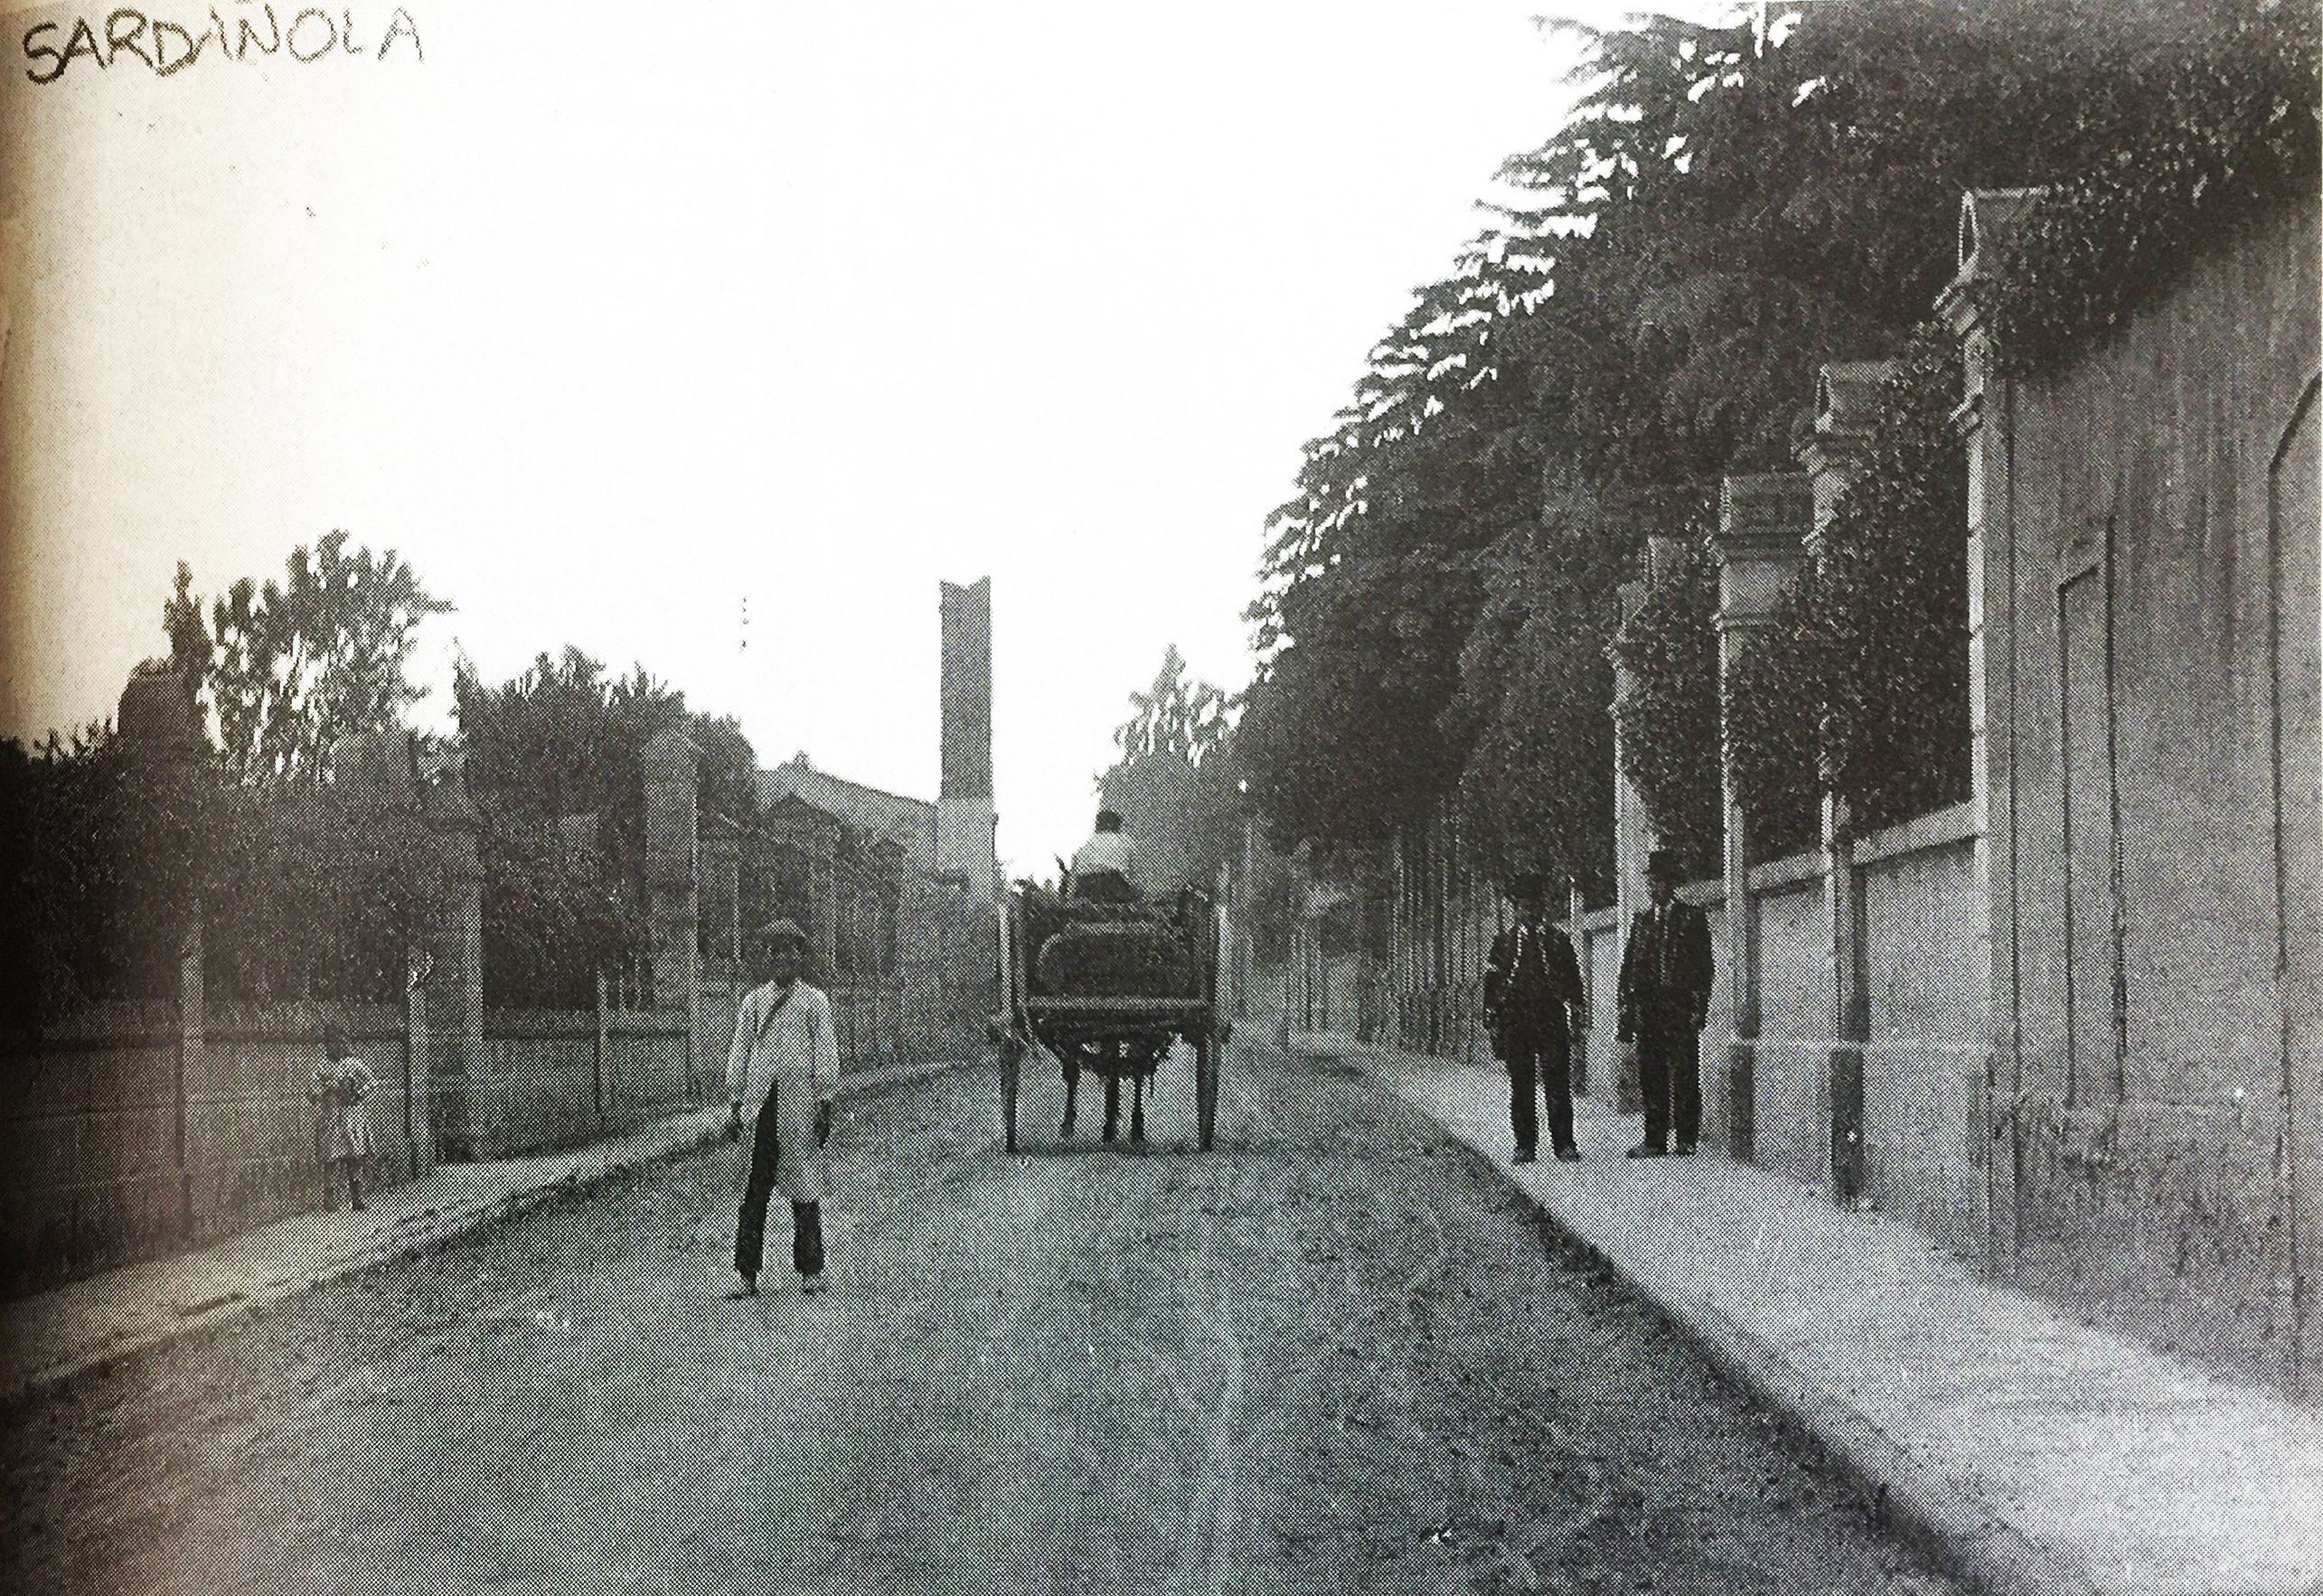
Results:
x,y
600,1056
190,1041
1576,918
418,1123
1850,1018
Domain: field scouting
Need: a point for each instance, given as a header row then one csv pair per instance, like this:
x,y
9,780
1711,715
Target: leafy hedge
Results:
x,y
306,890
1669,706
1861,682
1774,699
2227,129
1893,698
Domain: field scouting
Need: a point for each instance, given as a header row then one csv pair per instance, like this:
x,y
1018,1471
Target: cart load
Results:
x,y
1110,987
1115,958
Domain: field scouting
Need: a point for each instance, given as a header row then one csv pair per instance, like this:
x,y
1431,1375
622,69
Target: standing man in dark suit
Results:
x,y
1665,999
1531,984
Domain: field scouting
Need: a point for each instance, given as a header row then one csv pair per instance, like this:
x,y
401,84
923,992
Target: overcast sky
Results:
x,y
609,316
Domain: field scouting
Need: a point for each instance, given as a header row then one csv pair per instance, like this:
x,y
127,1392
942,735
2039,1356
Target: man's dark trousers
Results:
x,y
750,1233
1669,1070
1541,1053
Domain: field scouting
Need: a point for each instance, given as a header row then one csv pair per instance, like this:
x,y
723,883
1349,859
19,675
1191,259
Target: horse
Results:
x,y
1116,1059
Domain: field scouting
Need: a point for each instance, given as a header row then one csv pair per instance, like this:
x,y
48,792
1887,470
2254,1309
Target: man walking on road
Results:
x,y
1532,983
786,1049
1665,1000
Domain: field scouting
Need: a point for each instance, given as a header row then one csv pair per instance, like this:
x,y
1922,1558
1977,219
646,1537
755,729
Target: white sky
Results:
x,y
606,316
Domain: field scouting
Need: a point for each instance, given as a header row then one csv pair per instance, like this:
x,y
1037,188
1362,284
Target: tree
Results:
x,y
287,670
1726,211
1189,718
1171,784
554,759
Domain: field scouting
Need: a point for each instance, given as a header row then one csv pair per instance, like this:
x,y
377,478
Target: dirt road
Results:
x,y
1333,1355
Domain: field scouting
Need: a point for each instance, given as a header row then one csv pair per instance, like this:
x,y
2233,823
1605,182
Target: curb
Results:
x,y
424,1237
1962,1535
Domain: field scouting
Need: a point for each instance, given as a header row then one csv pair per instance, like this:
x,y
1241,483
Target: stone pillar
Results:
x,y
460,1115
600,1059
1846,401
419,1125
451,981
1984,423
673,865
673,887
1632,832
1763,523
722,892
161,732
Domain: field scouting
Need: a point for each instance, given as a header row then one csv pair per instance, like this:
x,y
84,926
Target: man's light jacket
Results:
x,y
793,1051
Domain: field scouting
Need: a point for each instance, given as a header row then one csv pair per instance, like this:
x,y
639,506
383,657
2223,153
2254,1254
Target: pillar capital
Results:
x,y
1847,407
1987,219
159,717
1762,536
444,804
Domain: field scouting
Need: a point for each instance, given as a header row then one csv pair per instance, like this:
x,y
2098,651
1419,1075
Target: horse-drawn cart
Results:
x,y
1110,987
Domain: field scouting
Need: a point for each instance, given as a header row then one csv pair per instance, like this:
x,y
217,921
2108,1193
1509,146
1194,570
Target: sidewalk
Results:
x,y
2036,1455
56,1338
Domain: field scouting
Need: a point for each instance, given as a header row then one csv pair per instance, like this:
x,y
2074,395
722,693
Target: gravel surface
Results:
x,y
1336,1353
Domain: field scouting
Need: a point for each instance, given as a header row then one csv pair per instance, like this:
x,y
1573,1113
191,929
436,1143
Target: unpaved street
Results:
x,y
1333,1355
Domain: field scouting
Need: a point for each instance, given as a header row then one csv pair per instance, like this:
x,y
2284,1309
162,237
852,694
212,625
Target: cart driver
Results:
x,y
1105,868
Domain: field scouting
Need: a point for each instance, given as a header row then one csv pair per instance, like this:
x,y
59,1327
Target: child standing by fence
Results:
x,y
343,1135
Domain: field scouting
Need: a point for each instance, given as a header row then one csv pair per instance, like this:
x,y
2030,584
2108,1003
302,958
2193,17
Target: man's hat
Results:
x,y
1527,886
784,929
1664,864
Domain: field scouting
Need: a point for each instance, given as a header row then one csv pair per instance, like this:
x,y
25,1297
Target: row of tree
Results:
x,y
312,883
1730,207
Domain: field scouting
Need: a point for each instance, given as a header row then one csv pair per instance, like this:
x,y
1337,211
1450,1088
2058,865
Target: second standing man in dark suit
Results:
x,y
1531,984
1665,998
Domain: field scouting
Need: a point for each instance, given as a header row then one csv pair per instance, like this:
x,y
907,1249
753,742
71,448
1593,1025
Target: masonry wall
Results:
x,y
1792,1103
2156,613
550,1079
1597,948
1717,1117
1924,1067
90,1176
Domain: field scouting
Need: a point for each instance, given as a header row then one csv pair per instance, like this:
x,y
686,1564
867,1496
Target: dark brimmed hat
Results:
x,y
784,929
1527,885
1663,864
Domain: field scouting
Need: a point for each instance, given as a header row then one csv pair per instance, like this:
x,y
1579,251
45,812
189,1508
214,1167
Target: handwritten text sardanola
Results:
x,y
164,47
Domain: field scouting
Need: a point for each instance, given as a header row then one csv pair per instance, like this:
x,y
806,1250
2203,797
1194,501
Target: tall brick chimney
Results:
x,y
965,816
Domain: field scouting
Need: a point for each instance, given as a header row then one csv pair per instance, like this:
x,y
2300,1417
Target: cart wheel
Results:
x,y
1206,1067
1011,1068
